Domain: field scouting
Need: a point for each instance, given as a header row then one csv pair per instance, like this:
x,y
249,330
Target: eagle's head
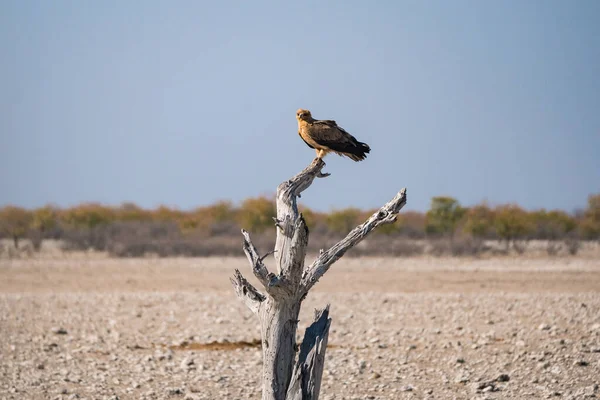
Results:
x,y
303,115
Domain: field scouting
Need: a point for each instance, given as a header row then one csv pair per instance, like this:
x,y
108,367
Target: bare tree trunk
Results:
x,y
279,308
306,381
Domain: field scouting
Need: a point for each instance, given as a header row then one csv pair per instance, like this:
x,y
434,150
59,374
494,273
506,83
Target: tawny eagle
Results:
x,y
326,136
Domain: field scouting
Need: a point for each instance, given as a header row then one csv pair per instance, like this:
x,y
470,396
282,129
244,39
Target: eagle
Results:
x,y
326,136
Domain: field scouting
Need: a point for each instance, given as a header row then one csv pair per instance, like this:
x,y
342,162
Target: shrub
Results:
x,y
131,212
45,219
573,245
87,216
343,221
552,225
166,214
443,216
15,222
315,221
411,224
130,230
112,236
479,221
512,223
44,224
216,219
256,214
590,224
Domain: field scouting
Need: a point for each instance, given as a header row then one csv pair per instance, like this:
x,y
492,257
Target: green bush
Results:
x,y
552,225
443,216
131,212
15,222
343,221
590,224
512,223
455,230
256,214
88,216
479,221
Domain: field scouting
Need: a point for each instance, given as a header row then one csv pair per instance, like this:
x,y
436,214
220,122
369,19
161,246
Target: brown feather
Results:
x,y
327,136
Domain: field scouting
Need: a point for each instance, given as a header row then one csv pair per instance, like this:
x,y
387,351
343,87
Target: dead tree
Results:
x,y
278,307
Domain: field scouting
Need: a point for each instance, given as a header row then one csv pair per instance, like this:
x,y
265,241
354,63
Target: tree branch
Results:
x,y
289,190
386,214
271,282
306,379
246,292
291,228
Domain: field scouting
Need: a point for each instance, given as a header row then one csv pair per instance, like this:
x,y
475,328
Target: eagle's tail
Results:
x,y
358,152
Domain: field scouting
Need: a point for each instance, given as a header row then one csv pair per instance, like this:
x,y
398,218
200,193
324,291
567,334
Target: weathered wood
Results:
x,y
278,310
246,292
271,282
293,232
306,381
279,322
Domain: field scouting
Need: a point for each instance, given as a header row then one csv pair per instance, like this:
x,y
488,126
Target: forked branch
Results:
x,y
271,282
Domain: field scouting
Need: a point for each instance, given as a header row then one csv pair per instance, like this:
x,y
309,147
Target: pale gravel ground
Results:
x,y
402,329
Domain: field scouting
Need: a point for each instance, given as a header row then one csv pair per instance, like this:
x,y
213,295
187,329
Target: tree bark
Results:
x,y
306,381
279,307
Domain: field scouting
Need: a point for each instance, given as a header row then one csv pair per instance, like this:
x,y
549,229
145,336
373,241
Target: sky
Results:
x,y
189,102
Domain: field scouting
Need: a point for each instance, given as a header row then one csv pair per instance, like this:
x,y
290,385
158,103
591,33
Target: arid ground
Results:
x,y
101,328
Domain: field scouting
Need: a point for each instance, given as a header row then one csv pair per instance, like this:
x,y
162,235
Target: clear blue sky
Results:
x,y
188,102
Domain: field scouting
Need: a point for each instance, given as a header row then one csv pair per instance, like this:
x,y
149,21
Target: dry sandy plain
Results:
x,y
416,328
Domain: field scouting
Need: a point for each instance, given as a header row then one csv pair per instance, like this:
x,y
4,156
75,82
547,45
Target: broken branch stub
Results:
x,y
249,295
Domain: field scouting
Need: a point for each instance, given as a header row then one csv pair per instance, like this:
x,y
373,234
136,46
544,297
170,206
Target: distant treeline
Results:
x,y
129,230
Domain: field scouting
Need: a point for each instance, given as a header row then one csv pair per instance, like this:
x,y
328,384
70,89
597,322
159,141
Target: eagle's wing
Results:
x,y
327,133
304,140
